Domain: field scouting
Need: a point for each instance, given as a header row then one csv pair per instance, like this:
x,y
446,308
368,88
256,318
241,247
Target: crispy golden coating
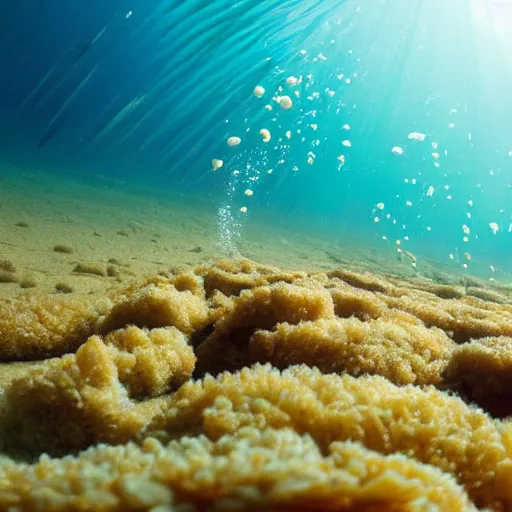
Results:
x,y
349,301
240,386
401,351
150,363
80,399
36,327
482,371
464,319
425,424
252,470
158,306
231,277
263,307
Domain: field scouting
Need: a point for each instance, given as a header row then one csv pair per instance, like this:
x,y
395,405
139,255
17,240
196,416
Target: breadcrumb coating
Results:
x,y
402,352
158,306
482,371
464,319
425,424
261,307
349,301
81,399
236,386
232,276
36,327
252,470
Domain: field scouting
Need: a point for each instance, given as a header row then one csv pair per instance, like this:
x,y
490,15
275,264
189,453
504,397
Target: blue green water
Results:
x,y
149,92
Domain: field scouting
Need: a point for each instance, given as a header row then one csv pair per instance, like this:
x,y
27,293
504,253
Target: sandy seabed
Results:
x,y
135,380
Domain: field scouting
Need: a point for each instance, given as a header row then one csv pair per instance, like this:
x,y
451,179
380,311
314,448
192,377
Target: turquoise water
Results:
x,y
399,131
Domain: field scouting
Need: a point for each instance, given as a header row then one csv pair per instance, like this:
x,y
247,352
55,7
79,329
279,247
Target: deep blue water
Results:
x,y
148,93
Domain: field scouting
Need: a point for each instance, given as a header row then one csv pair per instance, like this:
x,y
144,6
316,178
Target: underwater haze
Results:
x,y
255,255
374,134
